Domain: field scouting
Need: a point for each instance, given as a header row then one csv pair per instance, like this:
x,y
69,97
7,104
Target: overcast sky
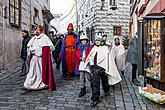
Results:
x,y
60,6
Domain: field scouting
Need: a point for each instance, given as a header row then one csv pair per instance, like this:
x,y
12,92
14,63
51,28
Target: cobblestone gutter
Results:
x,y
10,69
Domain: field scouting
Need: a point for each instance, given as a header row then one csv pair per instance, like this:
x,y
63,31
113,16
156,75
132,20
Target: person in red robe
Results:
x,y
69,45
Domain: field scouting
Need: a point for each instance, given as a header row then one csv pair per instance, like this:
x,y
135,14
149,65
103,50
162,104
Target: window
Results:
x,y
36,16
117,30
113,2
15,12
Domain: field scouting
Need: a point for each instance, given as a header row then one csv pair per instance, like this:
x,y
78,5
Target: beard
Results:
x,y
70,32
37,34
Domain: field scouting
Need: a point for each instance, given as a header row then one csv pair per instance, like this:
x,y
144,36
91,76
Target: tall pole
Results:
x,y
76,17
3,32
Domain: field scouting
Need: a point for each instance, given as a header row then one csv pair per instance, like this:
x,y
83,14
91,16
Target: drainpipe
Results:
x,y
76,16
30,27
4,10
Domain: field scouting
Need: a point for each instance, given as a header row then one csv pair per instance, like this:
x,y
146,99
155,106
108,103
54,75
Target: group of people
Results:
x,y
101,60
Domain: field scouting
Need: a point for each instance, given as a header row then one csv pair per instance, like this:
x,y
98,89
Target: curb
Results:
x,y
8,75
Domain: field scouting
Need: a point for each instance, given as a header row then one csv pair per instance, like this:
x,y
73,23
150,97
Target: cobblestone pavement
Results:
x,y
123,96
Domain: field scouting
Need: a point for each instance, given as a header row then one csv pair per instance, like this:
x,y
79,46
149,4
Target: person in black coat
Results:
x,y
57,42
26,39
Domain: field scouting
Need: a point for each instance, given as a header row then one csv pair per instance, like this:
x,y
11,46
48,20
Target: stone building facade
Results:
x,y
16,15
104,16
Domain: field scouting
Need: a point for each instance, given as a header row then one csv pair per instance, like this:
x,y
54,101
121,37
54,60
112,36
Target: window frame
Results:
x,y
15,19
117,30
36,15
112,5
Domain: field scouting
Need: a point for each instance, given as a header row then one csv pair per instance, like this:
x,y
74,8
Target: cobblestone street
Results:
x,y
123,96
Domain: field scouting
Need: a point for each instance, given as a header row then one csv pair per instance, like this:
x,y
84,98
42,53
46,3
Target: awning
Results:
x,y
155,16
47,15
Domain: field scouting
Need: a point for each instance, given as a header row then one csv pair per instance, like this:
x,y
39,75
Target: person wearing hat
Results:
x,y
81,54
101,64
40,73
69,44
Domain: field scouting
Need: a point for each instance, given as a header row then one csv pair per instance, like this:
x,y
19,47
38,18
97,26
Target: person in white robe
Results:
x,y
34,77
120,55
101,64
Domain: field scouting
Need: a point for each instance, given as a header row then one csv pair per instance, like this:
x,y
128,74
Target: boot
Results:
x,y
107,94
82,92
136,82
122,72
94,103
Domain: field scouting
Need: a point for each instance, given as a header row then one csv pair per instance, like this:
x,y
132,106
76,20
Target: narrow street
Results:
x,y
123,96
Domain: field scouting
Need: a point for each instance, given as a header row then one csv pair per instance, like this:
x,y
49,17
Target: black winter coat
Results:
x,y
57,42
25,41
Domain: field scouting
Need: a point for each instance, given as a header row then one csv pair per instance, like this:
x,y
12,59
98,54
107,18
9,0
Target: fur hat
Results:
x,y
108,42
82,37
98,38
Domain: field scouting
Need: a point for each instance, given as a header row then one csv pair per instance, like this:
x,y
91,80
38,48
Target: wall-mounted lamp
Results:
x,y
5,12
102,4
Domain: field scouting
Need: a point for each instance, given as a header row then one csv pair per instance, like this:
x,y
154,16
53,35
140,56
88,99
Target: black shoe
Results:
x,y
107,94
64,75
23,88
94,103
82,92
71,75
136,82
22,74
57,67
122,72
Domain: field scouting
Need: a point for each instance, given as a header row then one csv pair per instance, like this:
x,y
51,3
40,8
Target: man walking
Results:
x,y
132,57
57,42
26,39
69,45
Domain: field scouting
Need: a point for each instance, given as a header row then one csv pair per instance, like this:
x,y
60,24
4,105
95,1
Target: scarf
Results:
x,y
83,47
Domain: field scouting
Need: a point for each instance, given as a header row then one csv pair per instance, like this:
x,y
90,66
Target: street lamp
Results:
x,y
76,17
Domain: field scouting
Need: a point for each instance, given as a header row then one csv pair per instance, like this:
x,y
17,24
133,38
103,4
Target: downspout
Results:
x,y
3,32
30,27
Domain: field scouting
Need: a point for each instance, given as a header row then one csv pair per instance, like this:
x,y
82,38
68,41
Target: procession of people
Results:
x,y
102,60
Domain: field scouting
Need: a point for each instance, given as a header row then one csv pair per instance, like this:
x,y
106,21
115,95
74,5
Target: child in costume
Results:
x,y
101,64
82,52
